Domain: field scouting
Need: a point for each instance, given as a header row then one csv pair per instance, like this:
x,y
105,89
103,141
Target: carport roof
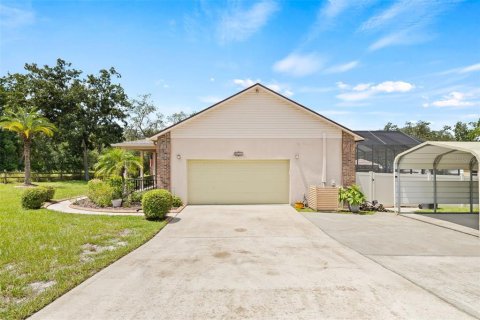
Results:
x,y
445,154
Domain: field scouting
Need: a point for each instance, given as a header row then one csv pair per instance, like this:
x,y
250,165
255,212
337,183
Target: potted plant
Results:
x,y
116,184
299,204
353,196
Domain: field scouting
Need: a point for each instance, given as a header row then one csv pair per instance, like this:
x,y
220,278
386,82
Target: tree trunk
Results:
x,y
26,153
85,161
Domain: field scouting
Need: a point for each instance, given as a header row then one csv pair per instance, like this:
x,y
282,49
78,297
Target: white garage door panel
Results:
x,y
238,181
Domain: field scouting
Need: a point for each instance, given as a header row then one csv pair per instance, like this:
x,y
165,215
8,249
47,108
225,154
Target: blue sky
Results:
x,y
361,63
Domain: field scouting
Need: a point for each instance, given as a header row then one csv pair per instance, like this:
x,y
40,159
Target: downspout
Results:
x,y
324,160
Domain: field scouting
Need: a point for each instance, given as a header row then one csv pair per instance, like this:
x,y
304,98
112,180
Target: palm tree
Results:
x,y
117,162
28,124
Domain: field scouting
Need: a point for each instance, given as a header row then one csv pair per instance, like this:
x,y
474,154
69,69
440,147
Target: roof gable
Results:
x,y
257,112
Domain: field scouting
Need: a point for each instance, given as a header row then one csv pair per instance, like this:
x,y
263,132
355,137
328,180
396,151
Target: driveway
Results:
x,y
443,261
247,262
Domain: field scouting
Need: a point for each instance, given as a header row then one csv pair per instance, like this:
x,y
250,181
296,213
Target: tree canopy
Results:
x,y
461,131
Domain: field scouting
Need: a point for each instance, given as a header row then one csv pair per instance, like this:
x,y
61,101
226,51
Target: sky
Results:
x,y
362,63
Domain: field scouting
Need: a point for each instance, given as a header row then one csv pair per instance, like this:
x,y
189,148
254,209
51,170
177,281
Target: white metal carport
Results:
x,y
438,155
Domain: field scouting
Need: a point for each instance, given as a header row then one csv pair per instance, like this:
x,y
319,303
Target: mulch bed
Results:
x,y
88,204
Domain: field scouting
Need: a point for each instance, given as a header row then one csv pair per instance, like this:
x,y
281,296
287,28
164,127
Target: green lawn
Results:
x,y
448,210
337,211
67,189
43,254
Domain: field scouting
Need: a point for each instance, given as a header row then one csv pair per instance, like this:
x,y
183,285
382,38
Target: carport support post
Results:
x,y
434,188
396,170
470,168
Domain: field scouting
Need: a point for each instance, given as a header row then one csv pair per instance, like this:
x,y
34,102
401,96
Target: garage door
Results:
x,y
238,181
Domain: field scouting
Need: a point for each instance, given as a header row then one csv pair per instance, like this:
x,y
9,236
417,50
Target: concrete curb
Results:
x,y
442,223
65,206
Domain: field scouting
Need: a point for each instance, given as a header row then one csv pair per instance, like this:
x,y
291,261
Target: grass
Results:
x,y
448,210
66,189
306,209
44,254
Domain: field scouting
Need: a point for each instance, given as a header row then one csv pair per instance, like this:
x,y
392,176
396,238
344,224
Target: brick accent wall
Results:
x,y
164,148
348,159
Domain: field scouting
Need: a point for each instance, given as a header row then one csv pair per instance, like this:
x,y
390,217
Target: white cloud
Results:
x,y
342,67
13,17
238,24
454,99
472,68
342,85
299,65
462,70
210,99
330,11
393,86
407,22
362,87
403,37
245,83
334,7
364,91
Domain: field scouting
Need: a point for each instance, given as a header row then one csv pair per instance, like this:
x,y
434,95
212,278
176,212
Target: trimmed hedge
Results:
x,y
137,196
33,198
49,192
177,202
100,193
156,203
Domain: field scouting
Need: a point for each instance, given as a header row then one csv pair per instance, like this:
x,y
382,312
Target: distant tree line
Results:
x,y
90,112
461,131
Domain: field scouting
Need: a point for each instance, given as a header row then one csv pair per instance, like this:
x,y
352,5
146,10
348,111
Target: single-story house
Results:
x,y
255,147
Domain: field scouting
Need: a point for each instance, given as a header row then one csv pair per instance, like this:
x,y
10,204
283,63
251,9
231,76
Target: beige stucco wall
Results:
x,y
305,171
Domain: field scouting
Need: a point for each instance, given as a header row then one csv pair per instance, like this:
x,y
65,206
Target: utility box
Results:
x,y
323,198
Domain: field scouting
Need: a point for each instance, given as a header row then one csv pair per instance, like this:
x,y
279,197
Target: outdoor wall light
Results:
x,y
297,156
179,156
238,153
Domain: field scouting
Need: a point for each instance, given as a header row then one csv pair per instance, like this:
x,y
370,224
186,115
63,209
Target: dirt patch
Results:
x,y
240,229
87,203
221,254
40,286
90,249
125,232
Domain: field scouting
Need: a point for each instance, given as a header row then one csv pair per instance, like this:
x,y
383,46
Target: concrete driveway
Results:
x,y
443,261
247,262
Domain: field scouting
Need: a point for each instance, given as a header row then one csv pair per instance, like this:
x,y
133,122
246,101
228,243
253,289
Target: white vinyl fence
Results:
x,y
417,188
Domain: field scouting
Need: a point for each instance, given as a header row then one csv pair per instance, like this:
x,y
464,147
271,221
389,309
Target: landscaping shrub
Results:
x,y
136,197
177,202
117,185
49,192
156,203
100,192
33,198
